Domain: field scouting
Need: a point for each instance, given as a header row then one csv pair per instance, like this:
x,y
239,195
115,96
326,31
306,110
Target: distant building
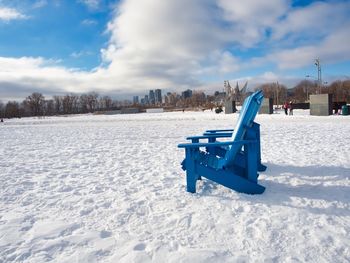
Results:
x,y
136,100
158,96
155,110
186,94
146,99
152,99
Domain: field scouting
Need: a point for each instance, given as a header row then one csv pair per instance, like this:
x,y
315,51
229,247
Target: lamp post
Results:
x,y
319,74
277,90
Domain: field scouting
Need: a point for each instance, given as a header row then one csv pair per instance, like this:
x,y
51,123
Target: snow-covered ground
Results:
x,y
110,189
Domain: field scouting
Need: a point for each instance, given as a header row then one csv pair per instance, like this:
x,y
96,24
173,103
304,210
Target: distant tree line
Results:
x,y
302,91
197,99
36,105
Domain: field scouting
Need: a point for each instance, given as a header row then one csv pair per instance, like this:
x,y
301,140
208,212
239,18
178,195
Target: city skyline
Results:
x,y
123,48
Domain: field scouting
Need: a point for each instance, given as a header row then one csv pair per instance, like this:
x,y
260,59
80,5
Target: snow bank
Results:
x,y
110,189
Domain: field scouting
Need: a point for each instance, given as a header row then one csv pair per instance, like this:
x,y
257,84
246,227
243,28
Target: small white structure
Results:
x,y
155,110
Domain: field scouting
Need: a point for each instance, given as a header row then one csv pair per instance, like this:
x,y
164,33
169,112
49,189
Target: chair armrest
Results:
x,y
208,136
215,131
214,144
224,134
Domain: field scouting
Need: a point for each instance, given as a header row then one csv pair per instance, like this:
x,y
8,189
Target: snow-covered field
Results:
x,y
111,189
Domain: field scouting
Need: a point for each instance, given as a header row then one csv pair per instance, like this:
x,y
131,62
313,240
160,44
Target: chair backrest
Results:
x,y
245,120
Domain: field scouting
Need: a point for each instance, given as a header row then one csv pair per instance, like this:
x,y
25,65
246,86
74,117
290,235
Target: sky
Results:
x,y
127,47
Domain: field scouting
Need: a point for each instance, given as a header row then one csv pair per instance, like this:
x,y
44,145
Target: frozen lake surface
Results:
x,y
110,189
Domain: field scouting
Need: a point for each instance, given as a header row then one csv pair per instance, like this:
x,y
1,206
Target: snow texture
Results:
x,y
110,189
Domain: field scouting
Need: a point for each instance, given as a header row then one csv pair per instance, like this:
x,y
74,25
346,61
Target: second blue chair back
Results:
x,y
245,120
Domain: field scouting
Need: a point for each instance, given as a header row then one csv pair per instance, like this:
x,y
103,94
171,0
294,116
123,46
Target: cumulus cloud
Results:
x,y
7,14
89,22
250,19
179,44
333,48
91,4
40,4
316,20
161,40
81,54
37,73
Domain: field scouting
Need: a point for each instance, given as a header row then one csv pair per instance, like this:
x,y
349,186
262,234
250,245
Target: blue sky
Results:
x,y
122,48
63,30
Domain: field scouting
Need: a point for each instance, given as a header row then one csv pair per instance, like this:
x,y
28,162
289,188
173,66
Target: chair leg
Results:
x,y
251,155
256,132
191,177
191,182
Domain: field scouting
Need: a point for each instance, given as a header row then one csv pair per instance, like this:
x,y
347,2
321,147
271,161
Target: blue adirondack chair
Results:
x,y
233,163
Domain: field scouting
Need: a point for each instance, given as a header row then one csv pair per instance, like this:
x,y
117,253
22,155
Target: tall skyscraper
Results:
x,y
187,94
151,97
146,99
158,96
136,99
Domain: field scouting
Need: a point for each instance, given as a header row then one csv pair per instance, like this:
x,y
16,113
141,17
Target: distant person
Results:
x,y
285,107
336,108
291,108
2,120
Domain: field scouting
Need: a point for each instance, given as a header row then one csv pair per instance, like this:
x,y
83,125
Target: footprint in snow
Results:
x,y
140,247
105,234
85,211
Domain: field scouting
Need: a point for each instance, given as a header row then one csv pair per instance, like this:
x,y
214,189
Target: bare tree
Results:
x,y
274,90
67,104
346,89
36,103
340,90
12,109
2,110
171,99
58,104
92,101
75,103
25,109
49,107
197,99
105,103
84,105
304,89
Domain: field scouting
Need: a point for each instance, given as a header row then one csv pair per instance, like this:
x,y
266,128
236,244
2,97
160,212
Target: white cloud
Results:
x,y
7,14
89,22
249,19
37,72
91,4
40,4
316,20
80,54
161,44
334,48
